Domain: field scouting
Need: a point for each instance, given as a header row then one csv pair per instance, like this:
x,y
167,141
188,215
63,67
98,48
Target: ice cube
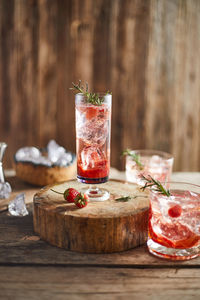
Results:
x,y
80,119
5,190
17,207
27,154
155,160
42,160
90,156
94,130
155,166
65,159
54,151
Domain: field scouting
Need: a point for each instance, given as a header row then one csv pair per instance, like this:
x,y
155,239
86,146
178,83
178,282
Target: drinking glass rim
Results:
x,y
163,154
98,93
81,98
181,182
173,182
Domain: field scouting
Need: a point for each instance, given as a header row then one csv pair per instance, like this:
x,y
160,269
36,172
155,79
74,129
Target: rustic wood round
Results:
x,y
100,227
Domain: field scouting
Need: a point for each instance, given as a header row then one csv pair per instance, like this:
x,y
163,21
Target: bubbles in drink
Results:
x,y
92,125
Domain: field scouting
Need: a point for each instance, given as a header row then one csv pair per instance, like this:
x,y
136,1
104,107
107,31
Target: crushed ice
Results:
x,y
56,155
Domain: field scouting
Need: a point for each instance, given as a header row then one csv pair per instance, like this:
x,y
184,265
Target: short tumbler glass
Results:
x,y
157,164
174,222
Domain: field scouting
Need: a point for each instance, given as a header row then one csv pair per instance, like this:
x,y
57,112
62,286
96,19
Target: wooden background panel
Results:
x,y
144,51
128,76
173,92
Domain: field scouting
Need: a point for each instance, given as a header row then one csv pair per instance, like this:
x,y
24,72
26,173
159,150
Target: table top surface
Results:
x,y
32,269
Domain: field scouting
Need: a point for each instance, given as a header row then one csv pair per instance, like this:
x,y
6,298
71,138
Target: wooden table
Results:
x,y
32,269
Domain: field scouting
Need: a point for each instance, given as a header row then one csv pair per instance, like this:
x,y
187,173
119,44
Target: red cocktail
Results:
x,y
93,123
174,222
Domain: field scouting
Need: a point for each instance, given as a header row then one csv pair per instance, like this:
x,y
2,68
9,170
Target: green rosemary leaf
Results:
x,y
123,199
92,98
127,198
108,93
158,187
134,156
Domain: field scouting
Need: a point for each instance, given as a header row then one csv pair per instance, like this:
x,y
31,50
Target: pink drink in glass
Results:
x,y
93,123
157,164
174,222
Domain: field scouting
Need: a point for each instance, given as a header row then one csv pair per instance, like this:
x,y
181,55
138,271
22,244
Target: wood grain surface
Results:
x,y
144,51
102,283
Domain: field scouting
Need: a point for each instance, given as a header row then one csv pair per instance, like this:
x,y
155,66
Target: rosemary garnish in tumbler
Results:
x,y
157,186
92,98
134,156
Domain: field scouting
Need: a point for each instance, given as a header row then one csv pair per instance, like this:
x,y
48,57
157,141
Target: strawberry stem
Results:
x,y
56,192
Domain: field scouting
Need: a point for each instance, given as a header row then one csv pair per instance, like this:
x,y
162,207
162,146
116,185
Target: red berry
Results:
x,y
70,194
81,200
175,211
91,112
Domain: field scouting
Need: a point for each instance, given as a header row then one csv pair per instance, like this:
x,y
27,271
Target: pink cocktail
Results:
x,y
93,124
174,222
157,164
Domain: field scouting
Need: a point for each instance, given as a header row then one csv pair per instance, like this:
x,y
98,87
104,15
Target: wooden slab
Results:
x,y
101,227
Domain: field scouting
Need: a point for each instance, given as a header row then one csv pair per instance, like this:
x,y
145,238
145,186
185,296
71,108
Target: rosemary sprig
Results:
x,y
92,98
127,198
134,156
123,199
158,187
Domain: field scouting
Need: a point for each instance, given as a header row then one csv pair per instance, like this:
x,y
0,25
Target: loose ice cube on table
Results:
x,y
17,207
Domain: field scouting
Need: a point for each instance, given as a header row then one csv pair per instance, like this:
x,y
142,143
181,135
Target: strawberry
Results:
x,y
81,200
175,211
70,194
91,112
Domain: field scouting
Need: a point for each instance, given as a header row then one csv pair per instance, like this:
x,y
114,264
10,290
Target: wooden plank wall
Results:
x,y
145,51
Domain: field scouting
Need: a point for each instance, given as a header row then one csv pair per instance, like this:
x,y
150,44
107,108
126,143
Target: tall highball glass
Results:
x,y
93,127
